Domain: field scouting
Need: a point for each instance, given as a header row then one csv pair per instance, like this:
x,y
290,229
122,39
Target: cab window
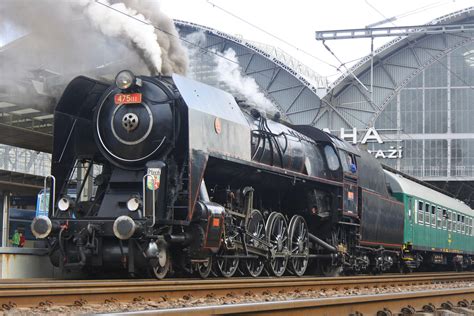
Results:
x,y
331,157
348,162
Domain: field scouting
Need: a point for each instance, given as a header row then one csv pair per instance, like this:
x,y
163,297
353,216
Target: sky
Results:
x,y
291,25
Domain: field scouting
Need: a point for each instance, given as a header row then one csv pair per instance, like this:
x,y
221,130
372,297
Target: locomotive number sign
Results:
x,y
127,98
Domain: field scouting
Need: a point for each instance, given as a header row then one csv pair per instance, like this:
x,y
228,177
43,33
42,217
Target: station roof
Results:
x,y
348,104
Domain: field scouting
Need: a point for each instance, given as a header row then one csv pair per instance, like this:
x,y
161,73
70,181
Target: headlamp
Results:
x,y
65,203
133,204
125,79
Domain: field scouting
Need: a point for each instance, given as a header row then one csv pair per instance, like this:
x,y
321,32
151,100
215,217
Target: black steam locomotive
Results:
x,y
174,176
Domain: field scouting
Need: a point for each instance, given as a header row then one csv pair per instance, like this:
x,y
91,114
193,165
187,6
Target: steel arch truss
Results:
x,y
295,97
395,65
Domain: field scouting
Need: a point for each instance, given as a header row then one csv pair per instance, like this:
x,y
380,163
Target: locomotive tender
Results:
x,y
174,176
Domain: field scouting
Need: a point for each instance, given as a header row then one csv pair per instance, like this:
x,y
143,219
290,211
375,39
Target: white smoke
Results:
x,y
174,57
125,26
195,55
49,42
229,72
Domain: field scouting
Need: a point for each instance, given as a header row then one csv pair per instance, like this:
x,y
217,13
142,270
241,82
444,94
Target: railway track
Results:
x,y
33,293
439,302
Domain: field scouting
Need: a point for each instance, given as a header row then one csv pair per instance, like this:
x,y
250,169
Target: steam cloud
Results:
x,y
229,72
54,41
112,23
224,72
174,57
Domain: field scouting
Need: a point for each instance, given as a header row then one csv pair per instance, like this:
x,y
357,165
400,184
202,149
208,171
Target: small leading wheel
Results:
x,y
227,266
160,265
203,269
255,231
298,245
277,237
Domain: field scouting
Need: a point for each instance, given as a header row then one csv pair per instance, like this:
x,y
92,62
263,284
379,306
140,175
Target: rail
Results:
x,y
33,293
437,302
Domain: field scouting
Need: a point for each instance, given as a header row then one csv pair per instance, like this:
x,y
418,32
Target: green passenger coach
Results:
x,y
437,228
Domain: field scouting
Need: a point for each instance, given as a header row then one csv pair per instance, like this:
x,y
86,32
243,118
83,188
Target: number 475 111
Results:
x,y
129,98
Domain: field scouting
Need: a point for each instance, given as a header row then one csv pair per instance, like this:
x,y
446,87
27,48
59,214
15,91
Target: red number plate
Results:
x,y
129,98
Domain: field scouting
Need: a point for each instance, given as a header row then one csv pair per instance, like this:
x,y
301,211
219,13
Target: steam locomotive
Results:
x,y
173,176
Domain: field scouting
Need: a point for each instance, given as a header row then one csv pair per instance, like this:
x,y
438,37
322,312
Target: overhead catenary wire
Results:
x,y
202,50
271,34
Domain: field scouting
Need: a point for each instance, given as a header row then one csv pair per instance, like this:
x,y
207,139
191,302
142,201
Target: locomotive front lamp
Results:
x,y
125,79
64,203
133,204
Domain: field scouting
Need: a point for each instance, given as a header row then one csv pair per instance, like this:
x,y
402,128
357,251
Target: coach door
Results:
x,y
409,219
351,187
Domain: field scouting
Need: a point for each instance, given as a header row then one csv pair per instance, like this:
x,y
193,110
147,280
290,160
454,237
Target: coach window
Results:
x,y
420,212
331,157
427,214
445,215
458,223
414,207
450,223
455,221
463,225
433,215
438,222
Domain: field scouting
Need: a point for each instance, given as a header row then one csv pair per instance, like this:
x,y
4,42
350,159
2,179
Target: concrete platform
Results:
x,y
18,263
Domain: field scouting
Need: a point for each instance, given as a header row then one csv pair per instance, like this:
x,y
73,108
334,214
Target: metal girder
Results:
x,y
323,110
339,113
274,76
393,31
295,99
367,98
355,109
301,111
261,70
382,66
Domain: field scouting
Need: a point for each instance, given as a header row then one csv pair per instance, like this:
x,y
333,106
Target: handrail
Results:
x,y
145,177
52,193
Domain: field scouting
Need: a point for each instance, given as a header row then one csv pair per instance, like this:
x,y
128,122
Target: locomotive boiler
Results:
x,y
166,175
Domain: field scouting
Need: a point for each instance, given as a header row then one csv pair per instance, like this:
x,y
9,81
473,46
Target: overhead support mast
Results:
x,y
392,31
